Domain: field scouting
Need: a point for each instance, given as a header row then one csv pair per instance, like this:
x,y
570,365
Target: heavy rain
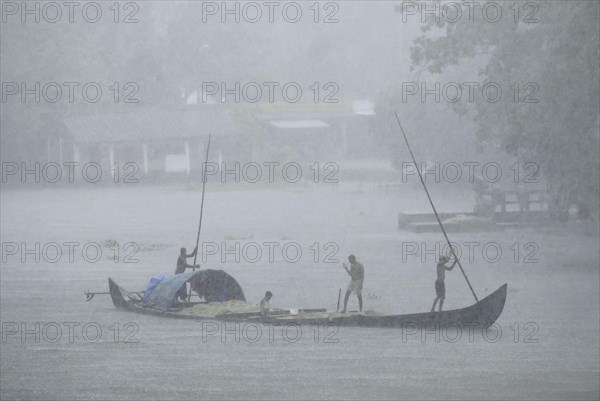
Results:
x,y
289,200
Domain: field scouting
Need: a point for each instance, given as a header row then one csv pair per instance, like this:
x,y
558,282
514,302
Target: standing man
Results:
x,y
181,266
440,286
357,273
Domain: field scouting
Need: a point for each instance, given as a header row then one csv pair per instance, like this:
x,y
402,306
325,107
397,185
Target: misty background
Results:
x,y
369,54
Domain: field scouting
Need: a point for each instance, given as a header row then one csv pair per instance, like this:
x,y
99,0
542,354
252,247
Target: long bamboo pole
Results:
x,y
201,207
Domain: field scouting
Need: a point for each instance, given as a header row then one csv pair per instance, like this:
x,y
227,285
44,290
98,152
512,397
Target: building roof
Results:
x,y
313,111
151,124
291,124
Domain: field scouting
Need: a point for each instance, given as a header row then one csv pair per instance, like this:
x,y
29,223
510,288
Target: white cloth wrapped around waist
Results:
x,y
355,286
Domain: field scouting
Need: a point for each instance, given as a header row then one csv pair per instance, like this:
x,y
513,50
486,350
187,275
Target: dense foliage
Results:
x,y
553,119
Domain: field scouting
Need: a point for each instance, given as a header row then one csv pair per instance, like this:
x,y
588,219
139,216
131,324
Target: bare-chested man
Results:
x,y
440,287
181,266
357,272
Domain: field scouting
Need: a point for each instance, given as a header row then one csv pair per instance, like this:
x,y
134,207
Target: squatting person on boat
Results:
x,y
265,307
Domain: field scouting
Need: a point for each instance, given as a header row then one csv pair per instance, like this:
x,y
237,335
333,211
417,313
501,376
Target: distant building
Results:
x,y
158,141
168,143
321,131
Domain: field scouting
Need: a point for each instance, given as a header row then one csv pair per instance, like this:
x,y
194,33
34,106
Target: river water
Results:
x,y
57,346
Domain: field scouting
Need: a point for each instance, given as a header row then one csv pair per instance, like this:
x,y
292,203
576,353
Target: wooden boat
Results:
x,y
481,314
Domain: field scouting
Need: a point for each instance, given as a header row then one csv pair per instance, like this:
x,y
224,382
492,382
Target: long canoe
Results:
x,y
481,314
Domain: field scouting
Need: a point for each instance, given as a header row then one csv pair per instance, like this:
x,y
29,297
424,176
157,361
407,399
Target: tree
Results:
x,y
550,115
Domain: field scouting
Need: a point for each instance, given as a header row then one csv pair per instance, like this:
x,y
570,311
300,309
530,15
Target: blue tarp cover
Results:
x,y
152,284
164,294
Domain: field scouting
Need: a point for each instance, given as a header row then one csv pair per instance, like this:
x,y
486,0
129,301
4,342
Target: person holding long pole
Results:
x,y
434,210
181,266
440,285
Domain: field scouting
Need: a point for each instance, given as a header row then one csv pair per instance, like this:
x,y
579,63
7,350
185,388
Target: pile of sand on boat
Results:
x,y
214,309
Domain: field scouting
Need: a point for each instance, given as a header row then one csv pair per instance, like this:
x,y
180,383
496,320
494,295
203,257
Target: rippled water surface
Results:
x,y
545,346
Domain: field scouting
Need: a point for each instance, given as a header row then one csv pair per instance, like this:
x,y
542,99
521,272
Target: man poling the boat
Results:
x,y
440,286
357,272
493,303
181,266
434,210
